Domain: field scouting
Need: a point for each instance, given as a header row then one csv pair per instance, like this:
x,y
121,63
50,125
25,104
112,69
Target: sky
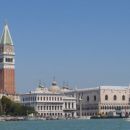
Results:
x,y
84,43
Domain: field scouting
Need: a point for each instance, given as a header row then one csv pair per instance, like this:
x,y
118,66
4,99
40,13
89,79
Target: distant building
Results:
x,y
50,102
7,61
102,100
15,98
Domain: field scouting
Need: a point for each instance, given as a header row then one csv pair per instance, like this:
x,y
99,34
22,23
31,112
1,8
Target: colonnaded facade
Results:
x,y
65,102
103,100
50,102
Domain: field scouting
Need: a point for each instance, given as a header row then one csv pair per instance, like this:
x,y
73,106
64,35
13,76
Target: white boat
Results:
x,y
84,118
127,119
35,118
2,119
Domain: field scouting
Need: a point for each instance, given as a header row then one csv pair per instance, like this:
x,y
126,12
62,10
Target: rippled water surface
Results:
x,y
100,124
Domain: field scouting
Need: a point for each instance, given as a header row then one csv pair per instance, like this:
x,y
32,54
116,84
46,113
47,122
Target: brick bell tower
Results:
x,y
7,63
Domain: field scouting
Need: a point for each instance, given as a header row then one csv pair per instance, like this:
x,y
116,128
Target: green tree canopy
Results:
x,y
9,107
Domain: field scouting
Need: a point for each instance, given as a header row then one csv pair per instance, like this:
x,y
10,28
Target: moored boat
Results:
x,y
84,118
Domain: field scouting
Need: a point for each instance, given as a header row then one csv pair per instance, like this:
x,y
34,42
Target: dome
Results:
x,y
41,89
54,83
54,88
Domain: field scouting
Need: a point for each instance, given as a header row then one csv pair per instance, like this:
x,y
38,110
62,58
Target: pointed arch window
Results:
x,y
115,97
123,97
106,97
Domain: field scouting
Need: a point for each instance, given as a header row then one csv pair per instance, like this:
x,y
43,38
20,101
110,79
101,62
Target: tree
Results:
x,y
9,107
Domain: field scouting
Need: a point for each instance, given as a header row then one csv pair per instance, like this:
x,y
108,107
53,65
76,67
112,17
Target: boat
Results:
x,y
84,118
30,118
34,118
11,118
2,119
127,119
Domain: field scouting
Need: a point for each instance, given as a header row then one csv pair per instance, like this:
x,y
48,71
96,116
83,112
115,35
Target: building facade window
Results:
x,y
94,97
9,59
87,98
65,105
69,105
114,97
72,105
1,60
123,97
106,97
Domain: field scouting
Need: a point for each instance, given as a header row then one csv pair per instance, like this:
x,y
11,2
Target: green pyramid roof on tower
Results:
x,y
6,37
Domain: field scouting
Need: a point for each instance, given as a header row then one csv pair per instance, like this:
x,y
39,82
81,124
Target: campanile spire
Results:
x,y
7,63
6,37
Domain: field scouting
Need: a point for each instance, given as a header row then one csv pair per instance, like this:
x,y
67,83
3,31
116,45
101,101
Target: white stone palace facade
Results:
x,y
102,100
50,102
65,102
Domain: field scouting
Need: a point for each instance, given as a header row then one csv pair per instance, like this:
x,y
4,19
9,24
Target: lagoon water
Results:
x,y
99,124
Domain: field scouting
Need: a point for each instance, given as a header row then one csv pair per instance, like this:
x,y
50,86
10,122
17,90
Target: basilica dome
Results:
x,y
54,87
